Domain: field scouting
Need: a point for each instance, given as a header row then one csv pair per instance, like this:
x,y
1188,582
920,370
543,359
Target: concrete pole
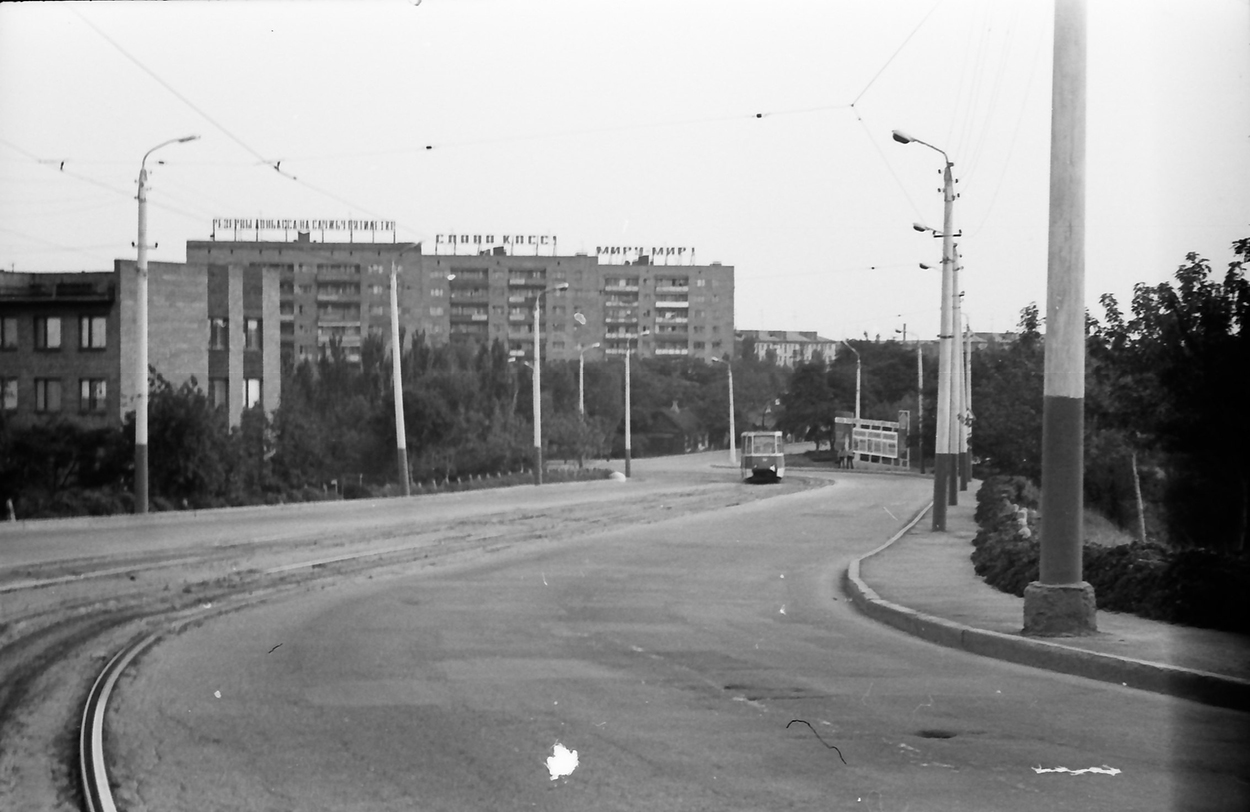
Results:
x,y
537,395
967,422
942,462
141,329
627,409
733,440
141,357
957,378
919,404
1060,602
581,384
401,434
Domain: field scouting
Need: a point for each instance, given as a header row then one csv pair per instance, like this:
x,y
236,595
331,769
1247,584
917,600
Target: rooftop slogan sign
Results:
x,y
323,225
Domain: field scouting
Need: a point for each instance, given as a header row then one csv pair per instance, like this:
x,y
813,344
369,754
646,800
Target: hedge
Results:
x,y
1196,587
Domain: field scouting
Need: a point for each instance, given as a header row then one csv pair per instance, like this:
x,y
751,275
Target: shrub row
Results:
x,y
1196,586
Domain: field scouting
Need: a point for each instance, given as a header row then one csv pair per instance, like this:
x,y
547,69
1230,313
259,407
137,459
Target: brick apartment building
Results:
x,y
68,346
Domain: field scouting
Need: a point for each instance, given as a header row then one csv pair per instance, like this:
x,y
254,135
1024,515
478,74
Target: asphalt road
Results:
x,y
672,656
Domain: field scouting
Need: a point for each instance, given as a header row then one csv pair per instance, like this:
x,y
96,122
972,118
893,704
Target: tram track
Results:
x,y
55,636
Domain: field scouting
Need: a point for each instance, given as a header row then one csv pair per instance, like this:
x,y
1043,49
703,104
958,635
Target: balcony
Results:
x,y
685,305
672,288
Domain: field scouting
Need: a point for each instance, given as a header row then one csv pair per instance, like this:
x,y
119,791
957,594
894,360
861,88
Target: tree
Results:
x,y
1007,384
807,407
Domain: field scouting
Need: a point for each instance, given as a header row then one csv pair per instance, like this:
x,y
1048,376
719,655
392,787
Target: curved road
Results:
x,y
671,656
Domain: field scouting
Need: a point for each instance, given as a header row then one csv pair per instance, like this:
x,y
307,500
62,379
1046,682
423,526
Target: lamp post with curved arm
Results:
x,y
538,367
943,464
141,327
733,440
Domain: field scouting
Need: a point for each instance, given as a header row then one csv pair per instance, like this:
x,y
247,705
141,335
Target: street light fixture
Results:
x,y
628,408
538,399
401,434
141,327
944,480
733,440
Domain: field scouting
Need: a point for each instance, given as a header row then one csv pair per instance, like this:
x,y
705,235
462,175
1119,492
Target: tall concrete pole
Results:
x,y
537,401
401,434
966,460
957,380
538,367
733,440
943,462
919,404
141,329
628,416
1060,602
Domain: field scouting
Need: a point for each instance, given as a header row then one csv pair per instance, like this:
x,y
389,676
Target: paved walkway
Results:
x,y
923,582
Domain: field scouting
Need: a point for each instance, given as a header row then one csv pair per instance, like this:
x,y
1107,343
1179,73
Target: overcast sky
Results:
x,y
756,133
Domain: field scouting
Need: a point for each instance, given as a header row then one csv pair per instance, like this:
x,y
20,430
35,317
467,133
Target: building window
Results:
x,y
376,269
436,292
377,310
377,290
93,395
92,332
8,333
219,391
251,392
48,332
436,311
219,334
251,334
8,394
698,345
699,283
47,395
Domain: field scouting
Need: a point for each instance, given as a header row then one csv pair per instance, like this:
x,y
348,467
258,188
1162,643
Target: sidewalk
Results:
x,y
923,583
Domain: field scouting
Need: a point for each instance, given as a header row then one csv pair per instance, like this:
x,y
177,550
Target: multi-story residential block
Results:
x,y
340,292
69,343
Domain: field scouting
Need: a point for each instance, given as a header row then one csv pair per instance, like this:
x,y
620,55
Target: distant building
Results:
x,y
335,291
790,347
68,346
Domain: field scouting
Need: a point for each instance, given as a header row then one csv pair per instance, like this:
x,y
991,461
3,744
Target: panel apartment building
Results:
x,y
68,341
340,292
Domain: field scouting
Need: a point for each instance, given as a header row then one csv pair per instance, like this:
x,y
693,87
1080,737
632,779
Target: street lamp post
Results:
x,y
858,378
538,366
581,378
141,327
733,440
943,465
628,409
401,434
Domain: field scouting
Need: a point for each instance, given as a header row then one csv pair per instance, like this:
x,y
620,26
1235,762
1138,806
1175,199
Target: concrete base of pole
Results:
x,y
538,465
941,475
401,467
627,463
965,470
1057,610
141,479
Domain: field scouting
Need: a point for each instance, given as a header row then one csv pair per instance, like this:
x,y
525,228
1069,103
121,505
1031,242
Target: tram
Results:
x,y
763,456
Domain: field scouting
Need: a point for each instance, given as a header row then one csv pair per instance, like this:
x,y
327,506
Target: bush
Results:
x,y
1198,587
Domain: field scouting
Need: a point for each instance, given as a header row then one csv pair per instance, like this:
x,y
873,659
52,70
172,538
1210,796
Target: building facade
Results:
x,y
335,292
790,347
69,349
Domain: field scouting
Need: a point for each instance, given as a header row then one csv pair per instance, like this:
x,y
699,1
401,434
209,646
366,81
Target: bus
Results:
x,y
763,456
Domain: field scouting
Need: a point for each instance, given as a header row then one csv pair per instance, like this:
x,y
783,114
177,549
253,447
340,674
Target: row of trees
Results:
x,y
467,412
1165,447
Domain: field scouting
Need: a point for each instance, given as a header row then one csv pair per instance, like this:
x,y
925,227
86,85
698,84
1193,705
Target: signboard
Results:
x,y
877,442
257,225
477,243
658,254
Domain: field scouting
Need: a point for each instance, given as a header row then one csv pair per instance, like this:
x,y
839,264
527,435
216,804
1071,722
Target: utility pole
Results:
x,y
920,405
397,386
1060,602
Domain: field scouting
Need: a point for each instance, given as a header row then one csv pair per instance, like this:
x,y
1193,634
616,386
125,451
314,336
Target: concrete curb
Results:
x,y
1199,686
